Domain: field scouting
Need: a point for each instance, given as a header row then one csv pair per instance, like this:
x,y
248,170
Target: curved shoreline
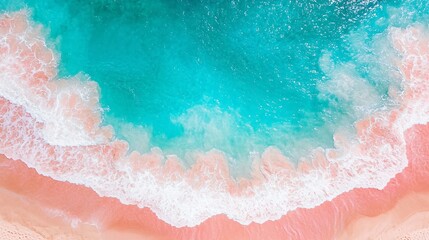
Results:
x,y
361,213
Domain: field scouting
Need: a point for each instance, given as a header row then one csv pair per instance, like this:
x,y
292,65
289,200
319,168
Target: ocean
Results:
x,y
236,76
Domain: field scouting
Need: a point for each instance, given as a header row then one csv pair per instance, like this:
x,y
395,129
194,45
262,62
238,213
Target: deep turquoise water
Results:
x,y
233,75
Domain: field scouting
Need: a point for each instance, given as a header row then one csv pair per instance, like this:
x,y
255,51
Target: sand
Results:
x,y
22,218
32,207
408,219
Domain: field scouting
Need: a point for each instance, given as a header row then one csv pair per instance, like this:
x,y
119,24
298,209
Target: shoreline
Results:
x,y
24,217
355,213
408,219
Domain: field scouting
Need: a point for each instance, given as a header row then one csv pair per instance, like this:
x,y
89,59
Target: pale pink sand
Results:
x,y
408,219
12,231
22,218
422,234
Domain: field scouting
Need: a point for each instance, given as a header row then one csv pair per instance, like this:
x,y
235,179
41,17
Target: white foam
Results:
x,y
60,126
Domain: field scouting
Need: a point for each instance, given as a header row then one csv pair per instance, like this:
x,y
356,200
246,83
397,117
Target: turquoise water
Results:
x,y
233,75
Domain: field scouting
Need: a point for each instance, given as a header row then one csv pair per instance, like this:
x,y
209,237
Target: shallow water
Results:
x,y
237,76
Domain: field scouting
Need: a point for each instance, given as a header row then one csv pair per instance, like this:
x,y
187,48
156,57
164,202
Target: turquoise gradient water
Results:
x,y
233,75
